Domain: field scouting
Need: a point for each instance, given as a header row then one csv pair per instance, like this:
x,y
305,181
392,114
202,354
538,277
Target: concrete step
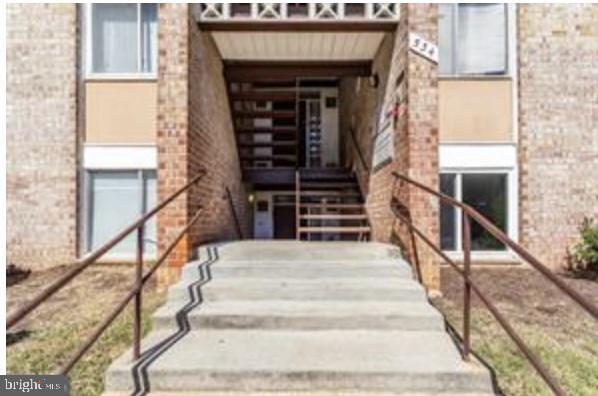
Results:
x,y
301,315
349,289
299,361
292,270
306,251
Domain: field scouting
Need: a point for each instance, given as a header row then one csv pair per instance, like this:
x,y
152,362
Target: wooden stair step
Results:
x,y
275,130
333,216
267,144
329,193
332,205
275,157
340,230
281,114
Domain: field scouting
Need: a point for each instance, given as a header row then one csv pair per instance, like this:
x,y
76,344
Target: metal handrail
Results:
x,y
469,286
135,292
233,211
358,150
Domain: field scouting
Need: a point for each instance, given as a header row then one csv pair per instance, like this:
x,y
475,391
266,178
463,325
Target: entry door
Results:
x,y
262,217
284,222
329,124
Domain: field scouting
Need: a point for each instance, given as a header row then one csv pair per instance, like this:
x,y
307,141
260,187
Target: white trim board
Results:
x,y
112,157
464,156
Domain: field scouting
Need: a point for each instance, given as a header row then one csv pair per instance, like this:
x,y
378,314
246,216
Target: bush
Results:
x,y
585,252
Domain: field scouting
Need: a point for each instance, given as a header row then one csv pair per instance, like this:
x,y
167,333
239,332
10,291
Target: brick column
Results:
x,y
172,139
419,141
414,81
195,132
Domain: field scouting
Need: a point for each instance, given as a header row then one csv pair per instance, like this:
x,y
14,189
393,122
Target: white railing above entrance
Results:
x,y
215,12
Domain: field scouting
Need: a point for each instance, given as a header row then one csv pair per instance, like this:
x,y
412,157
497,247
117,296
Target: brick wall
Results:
x,y
415,138
194,132
558,119
41,134
212,144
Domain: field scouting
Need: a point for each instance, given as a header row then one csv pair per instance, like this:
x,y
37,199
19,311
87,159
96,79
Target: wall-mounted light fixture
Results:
x,y
251,198
374,80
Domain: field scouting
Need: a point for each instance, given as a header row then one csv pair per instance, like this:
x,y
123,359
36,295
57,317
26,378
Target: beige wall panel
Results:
x,y
475,110
120,112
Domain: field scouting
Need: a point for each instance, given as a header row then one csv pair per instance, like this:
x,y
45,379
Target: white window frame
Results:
x,y
484,158
509,42
88,53
88,208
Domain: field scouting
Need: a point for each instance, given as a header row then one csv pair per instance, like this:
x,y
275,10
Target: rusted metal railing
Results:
x,y
357,149
134,293
469,213
233,211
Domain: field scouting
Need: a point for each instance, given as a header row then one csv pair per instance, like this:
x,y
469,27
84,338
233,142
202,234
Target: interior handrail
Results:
x,y
357,148
233,211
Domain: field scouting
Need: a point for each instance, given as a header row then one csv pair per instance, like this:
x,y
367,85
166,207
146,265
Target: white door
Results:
x,y
329,120
263,227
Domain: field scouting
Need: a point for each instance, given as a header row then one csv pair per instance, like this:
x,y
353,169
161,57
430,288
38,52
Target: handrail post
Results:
x,y
466,285
139,287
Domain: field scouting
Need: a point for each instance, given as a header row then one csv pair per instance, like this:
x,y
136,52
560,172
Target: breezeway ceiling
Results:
x,y
299,46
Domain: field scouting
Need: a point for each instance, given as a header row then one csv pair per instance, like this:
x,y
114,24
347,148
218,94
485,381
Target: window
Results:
x,y
448,215
485,192
472,38
114,200
123,38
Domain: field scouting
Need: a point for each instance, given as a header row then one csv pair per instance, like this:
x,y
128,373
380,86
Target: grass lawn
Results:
x,y
52,333
565,337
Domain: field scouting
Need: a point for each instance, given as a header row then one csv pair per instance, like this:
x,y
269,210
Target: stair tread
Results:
x,y
333,216
338,229
308,308
310,351
332,205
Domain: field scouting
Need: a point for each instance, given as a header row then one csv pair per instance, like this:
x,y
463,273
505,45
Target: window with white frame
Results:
x,y
472,39
114,200
488,194
123,38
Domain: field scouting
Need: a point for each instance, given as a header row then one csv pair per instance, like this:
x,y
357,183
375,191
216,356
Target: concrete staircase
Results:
x,y
291,317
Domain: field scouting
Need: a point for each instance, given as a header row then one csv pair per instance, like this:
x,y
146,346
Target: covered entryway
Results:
x,y
284,91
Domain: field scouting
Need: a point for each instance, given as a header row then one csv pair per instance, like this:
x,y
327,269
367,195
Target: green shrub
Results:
x,y
585,252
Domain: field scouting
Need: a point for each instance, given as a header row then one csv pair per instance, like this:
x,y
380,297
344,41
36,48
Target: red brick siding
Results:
x,y
212,143
194,132
416,133
558,118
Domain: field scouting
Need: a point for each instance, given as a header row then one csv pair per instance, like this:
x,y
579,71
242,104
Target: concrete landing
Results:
x,y
313,318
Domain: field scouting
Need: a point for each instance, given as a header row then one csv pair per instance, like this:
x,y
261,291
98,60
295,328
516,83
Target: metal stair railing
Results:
x,y
402,213
135,292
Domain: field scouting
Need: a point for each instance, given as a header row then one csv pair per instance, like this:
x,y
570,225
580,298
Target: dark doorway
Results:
x,y
284,222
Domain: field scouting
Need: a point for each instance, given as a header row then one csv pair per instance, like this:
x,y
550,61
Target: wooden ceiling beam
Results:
x,y
248,71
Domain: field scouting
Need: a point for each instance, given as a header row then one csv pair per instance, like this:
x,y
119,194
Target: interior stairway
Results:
x,y
297,318
330,205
